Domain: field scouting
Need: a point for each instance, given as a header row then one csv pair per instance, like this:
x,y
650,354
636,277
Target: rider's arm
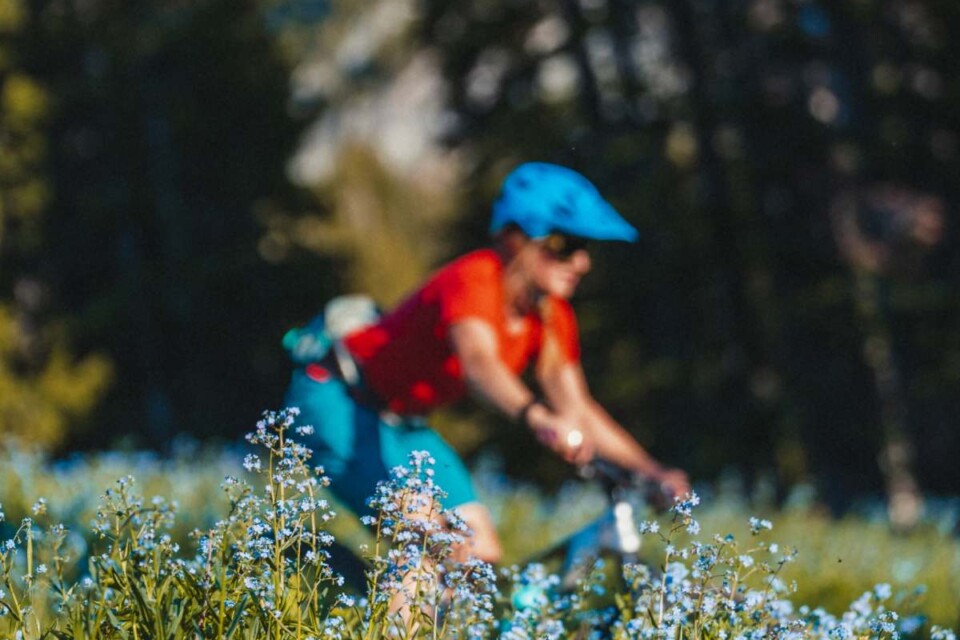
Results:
x,y
566,389
490,380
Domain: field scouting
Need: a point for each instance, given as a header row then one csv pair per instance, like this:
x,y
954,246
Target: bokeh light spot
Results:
x,y
824,105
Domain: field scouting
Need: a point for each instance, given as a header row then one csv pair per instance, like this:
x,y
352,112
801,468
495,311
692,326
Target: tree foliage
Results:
x,y
790,308
734,334
44,386
168,135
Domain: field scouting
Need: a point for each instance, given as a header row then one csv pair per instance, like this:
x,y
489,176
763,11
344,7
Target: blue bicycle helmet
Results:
x,y
543,198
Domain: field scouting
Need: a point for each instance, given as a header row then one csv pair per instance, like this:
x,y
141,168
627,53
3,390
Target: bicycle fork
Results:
x,y
614,532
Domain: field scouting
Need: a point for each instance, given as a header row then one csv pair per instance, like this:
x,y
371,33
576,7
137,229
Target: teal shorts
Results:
x,y
357,449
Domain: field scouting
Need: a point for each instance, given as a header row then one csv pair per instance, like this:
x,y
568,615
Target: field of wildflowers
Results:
x,y
234,544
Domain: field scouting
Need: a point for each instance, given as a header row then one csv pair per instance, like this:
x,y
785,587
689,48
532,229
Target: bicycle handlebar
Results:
x,y
615,479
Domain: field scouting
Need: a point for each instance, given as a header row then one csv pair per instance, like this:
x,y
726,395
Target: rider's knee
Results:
x,y
484,548
487,550
483,542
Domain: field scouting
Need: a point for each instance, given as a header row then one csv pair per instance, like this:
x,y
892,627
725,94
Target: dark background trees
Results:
x,y
213,171
737,333
167,133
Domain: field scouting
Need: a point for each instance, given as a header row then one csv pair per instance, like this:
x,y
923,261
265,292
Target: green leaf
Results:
x,y
237,615
117,625
145,610
11,611
174,622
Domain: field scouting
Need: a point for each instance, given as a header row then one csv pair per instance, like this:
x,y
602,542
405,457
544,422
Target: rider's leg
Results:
x,y
452,476
357,449
484,543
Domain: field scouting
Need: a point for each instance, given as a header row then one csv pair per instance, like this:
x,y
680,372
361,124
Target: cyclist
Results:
x,y
473,327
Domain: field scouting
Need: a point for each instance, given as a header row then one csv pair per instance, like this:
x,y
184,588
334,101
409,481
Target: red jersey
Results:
x,y
407,358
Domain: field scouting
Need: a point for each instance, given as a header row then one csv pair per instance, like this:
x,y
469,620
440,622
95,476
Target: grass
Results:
x,y
202,526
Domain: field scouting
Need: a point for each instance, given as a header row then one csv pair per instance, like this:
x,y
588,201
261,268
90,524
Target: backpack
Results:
x,y
340,316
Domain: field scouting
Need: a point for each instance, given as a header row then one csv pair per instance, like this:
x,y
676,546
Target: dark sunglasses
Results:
x,y
562,246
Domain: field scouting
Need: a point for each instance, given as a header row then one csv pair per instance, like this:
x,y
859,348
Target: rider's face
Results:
x,y
558,263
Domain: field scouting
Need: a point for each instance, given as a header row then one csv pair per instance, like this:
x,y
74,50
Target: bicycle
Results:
x,y
614,534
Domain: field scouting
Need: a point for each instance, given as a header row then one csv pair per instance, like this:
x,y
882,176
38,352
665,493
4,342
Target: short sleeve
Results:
x,y
469,288
563,325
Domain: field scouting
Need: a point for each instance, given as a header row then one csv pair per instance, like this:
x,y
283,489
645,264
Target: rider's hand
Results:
x,y
561,435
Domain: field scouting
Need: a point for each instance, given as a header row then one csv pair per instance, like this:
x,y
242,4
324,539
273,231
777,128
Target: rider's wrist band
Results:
x,y
523,417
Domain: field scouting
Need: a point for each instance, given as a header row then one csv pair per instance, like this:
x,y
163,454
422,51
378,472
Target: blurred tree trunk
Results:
x,y
881,231
897,459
